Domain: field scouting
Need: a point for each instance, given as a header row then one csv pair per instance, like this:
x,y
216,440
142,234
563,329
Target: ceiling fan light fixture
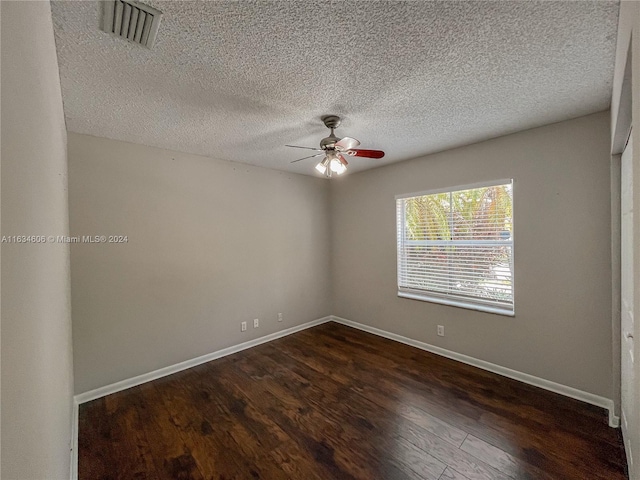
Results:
x,y
321,167
337,166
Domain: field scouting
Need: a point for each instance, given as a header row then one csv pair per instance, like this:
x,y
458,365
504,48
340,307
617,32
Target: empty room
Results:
x,y
352,240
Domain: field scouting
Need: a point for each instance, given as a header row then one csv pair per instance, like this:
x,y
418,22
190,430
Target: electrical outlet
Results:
x,y
243,327
256,323
441,330
279,317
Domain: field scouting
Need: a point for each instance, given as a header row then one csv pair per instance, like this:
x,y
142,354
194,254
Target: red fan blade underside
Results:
x,y
361,152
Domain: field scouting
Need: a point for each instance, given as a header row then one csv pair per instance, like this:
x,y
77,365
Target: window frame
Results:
x,y
452,299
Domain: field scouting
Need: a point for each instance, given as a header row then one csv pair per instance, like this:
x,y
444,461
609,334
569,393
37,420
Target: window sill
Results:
x,y
457,303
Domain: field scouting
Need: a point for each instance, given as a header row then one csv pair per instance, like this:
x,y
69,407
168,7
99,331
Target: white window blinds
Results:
x,y
456,247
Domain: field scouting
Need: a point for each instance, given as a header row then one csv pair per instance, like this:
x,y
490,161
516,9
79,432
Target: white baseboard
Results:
x,y
178,367
614,420
587,397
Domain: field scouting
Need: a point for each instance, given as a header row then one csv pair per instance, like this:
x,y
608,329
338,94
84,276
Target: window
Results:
x,y
456,247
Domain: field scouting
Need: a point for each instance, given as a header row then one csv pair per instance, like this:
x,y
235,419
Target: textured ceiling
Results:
x,y
239,80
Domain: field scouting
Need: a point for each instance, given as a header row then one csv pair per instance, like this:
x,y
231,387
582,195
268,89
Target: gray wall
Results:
x,y
210,244
37,382
562,327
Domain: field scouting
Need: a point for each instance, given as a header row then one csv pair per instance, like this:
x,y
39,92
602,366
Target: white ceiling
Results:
x,y
237,80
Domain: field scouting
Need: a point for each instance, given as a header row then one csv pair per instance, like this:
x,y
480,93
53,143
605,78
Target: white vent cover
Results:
x,y
131,20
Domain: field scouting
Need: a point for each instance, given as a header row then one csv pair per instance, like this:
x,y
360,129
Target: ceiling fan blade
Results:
x,y
360,152
310,156
307,148
347,143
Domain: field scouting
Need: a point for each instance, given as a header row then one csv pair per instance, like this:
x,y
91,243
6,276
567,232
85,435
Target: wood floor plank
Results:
x,y
501,460
134,442
413,458
199,414
451,474
170,454
470,466
453,435
94,445
296,462
332,402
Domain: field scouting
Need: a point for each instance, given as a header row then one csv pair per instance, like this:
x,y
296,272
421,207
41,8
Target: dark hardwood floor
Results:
x,y
332,402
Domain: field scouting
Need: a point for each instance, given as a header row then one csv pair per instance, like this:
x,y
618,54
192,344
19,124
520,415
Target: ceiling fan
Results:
x,y
334,149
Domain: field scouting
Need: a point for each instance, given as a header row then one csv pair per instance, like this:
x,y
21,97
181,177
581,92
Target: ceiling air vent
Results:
x,y
131,20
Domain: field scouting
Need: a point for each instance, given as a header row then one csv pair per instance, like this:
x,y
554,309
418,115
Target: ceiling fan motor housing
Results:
x,y
329,143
